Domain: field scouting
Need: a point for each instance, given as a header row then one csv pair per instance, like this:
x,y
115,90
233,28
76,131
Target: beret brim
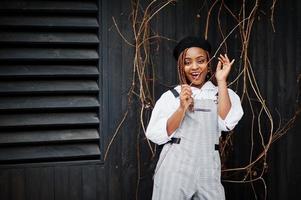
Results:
x,y
189,42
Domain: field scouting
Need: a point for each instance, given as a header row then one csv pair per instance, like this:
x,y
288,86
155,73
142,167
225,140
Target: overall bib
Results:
x,y
191,169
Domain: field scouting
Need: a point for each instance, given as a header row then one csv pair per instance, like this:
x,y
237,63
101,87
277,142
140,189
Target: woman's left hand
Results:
x,y
223,68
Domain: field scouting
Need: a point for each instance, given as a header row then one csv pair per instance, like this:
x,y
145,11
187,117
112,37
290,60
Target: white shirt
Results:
x,y
168,104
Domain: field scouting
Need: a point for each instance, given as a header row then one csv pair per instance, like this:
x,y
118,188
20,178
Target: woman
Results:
x,y
189,120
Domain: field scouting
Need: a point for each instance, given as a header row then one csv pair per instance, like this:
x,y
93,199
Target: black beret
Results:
x,y
191,41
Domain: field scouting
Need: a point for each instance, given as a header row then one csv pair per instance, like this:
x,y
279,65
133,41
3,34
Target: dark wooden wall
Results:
x,y
78,181
65,73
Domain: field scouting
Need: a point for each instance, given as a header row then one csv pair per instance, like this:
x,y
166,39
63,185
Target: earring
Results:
x,y
208,76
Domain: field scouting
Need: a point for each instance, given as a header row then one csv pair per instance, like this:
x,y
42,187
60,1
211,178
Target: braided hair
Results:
x,y
181,69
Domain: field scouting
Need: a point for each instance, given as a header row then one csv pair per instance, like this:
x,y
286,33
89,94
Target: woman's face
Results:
x,y
195,66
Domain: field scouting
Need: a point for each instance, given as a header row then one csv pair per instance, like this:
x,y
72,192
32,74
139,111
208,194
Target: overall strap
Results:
x,y
215,101
174,140
175,92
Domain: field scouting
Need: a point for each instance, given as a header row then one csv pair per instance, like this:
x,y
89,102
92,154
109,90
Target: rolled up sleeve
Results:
x,y
234,115
156,129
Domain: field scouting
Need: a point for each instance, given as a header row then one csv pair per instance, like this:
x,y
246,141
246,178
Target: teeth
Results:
x,y
195,74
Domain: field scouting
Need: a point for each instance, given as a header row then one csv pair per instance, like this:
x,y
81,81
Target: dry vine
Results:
x,y
142,89
257,166
142,68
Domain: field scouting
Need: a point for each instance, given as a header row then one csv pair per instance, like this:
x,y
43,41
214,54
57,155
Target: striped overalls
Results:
x,y
191,169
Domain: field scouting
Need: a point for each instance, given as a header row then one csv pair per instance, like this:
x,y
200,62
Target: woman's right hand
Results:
x,y
176,118
185,97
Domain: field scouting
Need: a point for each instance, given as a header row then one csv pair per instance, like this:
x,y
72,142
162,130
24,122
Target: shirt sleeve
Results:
x,y
164,108
234,115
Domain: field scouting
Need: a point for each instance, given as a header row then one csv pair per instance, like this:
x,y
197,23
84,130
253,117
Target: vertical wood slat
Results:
x,y
76,180
49,80
61,183
89,183
113,94
33,183
39,183
5,177
66,181
18,184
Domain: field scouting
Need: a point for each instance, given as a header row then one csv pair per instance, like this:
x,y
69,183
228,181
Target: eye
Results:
x,y
202,61
187,62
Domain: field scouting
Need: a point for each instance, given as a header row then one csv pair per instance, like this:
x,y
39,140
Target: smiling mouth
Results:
x,y
195,75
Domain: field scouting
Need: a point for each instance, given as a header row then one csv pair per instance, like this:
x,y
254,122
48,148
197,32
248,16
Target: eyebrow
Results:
x,y
201,56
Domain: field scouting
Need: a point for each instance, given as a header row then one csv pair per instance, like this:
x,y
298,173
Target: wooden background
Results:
x,y
64,75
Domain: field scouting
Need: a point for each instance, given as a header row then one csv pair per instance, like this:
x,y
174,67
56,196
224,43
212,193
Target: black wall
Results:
x,y
68,57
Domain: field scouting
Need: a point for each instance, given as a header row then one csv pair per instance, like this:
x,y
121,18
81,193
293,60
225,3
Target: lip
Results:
x,y
195,75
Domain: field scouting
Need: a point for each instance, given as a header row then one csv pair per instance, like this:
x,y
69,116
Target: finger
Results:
x,y
190,101
187,99
185,87
186,90
231,63
186,94
227,57
222,57
221,61
219,66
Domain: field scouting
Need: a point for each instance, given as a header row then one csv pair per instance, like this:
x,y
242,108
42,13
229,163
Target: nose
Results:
x,y
195,65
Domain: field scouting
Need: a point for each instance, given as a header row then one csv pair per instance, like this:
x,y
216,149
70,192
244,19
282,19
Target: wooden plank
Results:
x,y
128,138
48,37
75,178
101,182
47,183
112,96
51,86
39,183
33,183
50,22
4,184
47,102
48,119
10,53
48,71
89,183
49,153
57,6
18,184
61,183
49,136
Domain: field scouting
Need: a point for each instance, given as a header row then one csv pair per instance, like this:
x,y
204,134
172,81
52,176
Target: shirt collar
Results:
x,y
207,86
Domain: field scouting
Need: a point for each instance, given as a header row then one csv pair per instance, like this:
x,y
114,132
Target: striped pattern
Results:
x,y
191,169
49,81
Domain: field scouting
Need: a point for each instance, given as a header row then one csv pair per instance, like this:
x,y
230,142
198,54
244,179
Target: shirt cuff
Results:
x,y
232,118
223,126
158,133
